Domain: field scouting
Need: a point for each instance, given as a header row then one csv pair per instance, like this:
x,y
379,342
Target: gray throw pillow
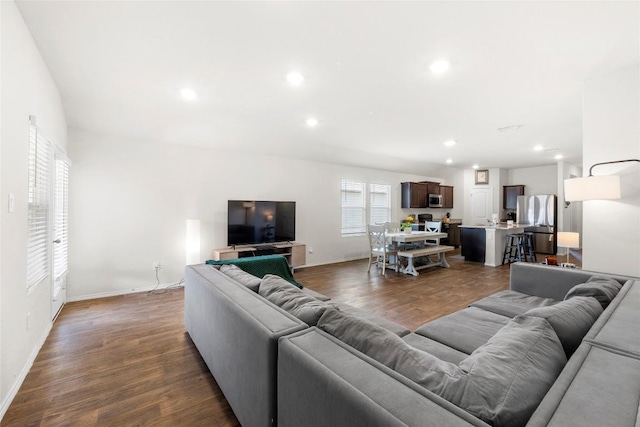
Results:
x,y
502,382
603,289
292,299
239,275
570,319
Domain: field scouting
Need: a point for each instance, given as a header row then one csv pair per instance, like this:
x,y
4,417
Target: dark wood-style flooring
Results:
x,y
128,361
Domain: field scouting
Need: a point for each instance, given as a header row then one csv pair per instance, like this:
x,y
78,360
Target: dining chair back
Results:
x,y
381,249
433,227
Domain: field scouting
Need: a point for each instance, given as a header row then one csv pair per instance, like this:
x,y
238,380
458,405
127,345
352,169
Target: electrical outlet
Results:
x,y
156,265
310,249
28,320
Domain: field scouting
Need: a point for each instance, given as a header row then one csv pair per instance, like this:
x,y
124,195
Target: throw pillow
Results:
x,y
603,289
510,374
292,299
570,319
239,275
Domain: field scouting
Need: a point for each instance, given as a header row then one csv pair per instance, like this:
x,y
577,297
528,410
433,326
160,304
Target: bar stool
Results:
x,y
512,248
518,247
529,247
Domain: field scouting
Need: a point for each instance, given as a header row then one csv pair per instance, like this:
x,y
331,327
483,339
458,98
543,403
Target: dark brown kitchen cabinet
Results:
x,y
510,195
446,191
453,233
432,187
414,195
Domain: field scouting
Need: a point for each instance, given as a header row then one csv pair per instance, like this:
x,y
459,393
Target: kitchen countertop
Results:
x,y
496,227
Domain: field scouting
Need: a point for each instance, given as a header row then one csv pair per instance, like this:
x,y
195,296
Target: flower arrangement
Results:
x,y
408,221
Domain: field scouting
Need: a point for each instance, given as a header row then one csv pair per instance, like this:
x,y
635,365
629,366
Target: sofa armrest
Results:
x,y
324,382
236,332
550,281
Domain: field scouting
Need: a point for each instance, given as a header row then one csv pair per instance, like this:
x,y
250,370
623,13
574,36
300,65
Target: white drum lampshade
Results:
x,y
568,240
605,187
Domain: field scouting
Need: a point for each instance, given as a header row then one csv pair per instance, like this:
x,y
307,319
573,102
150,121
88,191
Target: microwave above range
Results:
x,y
435,200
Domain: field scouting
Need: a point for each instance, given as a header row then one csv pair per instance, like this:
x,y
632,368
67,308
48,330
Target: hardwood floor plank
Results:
x,y
127,360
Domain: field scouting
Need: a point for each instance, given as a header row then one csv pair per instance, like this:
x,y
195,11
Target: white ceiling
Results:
x,y
120,66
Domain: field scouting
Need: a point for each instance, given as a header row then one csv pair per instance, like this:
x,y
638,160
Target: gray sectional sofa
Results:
x,y
519,357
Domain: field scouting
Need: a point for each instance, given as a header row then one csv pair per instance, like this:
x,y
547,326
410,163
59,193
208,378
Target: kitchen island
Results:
x,y
485,243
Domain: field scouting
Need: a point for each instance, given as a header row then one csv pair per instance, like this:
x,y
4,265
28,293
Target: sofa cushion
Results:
x,y
464,330
393,327
511,303
571,319
435,348
239,275
502,382
316,295
603,289
292,299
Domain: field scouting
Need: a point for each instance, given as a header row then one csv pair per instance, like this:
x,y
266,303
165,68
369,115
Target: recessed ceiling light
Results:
x,y
538,147
558,156
295,78
475,166
439,66
450,143
311,122
449,161
188,94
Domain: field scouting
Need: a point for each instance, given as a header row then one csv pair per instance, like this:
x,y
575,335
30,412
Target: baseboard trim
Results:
x,y
119,292
23,373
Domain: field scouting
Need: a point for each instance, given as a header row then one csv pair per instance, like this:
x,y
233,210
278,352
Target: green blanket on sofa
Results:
x,y
262,265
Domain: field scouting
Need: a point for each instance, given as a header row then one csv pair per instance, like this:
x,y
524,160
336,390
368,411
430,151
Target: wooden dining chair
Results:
x,y
381,249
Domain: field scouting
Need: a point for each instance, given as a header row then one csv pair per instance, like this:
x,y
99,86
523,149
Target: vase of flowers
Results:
x,y
406,224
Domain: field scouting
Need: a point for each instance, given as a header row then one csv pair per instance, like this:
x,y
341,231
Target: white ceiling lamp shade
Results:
x,y
606,187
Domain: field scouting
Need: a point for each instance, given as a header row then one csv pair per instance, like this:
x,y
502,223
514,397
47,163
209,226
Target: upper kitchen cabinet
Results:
x,y
510,195
414,195
446,191
432,187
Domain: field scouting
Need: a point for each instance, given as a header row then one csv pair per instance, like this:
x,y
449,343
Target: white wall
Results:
x,y
537,180
130,200
611,228
27,89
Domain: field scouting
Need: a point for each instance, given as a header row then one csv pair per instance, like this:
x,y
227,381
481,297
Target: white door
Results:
x,y
481,205
60,232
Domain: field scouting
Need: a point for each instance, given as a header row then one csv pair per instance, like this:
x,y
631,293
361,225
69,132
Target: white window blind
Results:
x,y
353,207
38,207
379,203
61,218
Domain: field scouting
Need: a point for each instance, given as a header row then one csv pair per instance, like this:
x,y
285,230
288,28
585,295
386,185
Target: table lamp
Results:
x,y
568,240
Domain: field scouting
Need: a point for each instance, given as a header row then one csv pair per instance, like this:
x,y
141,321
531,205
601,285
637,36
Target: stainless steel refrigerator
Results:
x,y
538,215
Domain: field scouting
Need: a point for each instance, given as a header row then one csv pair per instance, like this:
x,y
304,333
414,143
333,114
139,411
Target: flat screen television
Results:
x,y
253,222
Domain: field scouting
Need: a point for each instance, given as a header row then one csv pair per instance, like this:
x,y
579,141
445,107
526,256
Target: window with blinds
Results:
x,y
355,203
379,203
61,218
38,207
353,208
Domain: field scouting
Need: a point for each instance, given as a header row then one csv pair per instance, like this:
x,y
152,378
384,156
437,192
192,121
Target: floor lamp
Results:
x,y
568,240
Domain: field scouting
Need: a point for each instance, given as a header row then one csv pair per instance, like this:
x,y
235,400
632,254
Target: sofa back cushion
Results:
x,y
502,382
604,289
292,299
239,275
570,319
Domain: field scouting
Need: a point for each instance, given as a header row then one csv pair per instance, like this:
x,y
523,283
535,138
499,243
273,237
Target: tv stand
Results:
x,y
295,253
